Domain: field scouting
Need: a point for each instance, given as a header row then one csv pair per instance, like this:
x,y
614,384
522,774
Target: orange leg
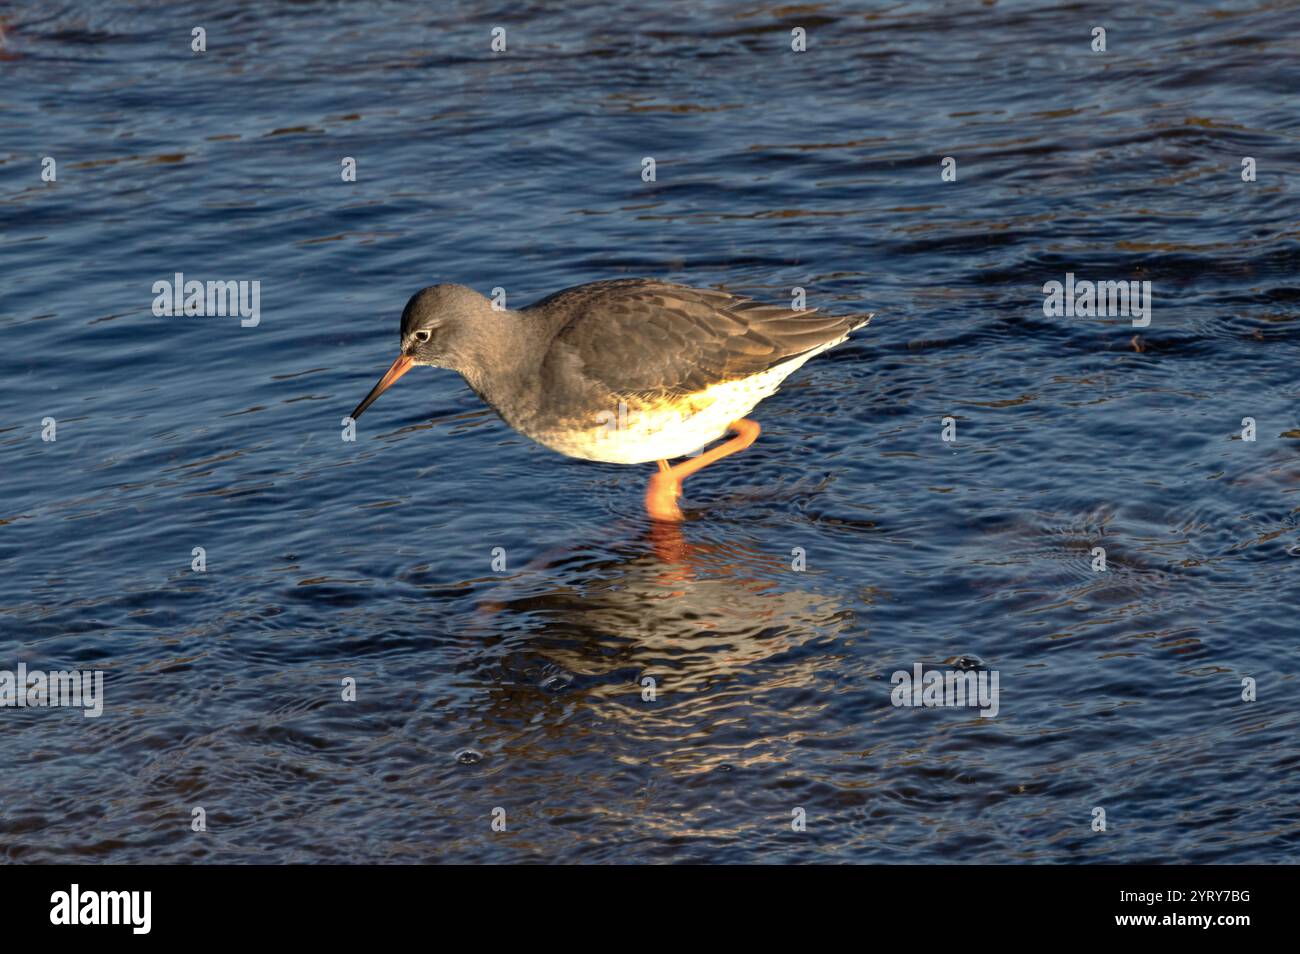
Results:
x,y
666,486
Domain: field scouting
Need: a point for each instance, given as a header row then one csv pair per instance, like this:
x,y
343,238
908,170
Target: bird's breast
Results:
x,y
635,430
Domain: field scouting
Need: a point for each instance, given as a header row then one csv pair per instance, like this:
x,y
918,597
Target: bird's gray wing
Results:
x,y
648,338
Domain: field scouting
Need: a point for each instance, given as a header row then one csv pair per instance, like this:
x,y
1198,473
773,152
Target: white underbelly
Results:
x,y
635,435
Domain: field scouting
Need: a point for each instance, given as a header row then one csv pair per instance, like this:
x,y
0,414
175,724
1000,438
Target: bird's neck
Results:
x,y
505,357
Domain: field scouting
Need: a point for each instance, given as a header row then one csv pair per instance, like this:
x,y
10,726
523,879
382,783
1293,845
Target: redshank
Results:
x,y
625,372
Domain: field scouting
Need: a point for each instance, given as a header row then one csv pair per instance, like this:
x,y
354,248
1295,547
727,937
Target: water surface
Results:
x,y
522,688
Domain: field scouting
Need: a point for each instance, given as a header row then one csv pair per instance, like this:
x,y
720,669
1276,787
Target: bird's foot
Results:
x,y
661,497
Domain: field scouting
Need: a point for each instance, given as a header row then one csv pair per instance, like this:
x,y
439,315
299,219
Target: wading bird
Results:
x,y
625,372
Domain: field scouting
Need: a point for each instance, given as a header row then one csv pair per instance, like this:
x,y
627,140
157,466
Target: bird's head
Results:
x,y
443,326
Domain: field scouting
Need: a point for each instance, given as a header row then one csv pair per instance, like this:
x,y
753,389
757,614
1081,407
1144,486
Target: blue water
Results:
x,y
521,688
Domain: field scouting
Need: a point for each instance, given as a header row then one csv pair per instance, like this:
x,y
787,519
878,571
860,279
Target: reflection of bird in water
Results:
x,y
626,372
717,611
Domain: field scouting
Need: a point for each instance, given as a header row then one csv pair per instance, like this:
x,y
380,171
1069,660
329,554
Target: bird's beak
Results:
x,y
399,368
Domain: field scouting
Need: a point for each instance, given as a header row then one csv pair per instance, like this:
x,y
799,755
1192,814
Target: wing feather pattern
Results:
x,y
648,338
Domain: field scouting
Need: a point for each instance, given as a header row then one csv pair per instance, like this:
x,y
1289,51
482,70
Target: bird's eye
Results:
x,y
422,336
